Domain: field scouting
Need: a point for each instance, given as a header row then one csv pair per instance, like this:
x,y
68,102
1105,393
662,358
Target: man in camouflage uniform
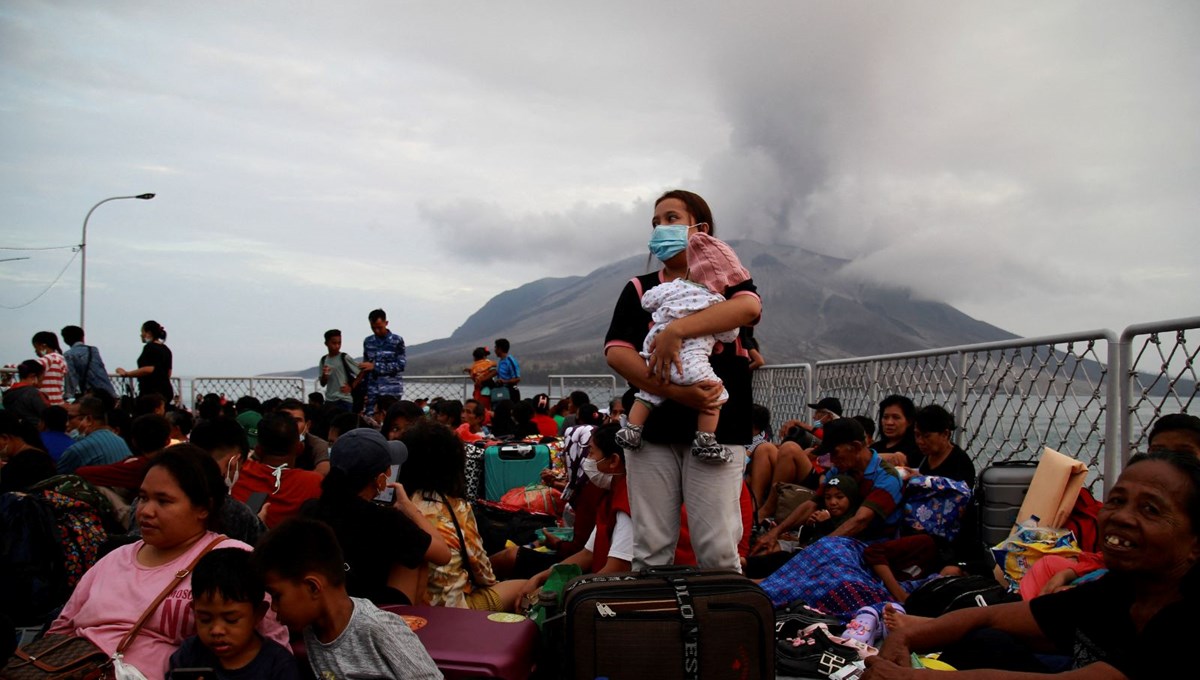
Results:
x,y
383,360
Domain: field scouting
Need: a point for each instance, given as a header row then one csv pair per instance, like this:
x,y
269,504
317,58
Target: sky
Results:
x,y
1035,164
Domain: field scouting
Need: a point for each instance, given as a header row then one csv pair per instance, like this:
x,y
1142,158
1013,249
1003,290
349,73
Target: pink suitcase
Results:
x,y
465,643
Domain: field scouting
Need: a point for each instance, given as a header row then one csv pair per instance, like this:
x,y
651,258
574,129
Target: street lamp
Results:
x,y
83,248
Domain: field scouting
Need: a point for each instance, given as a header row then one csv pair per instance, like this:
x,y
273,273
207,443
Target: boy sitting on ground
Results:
x,y
345,637
228,602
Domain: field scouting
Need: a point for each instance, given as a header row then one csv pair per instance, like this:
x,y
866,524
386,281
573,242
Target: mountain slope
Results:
x,y
810,312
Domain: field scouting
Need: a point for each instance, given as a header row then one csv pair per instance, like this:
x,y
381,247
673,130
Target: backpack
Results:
x,y
1083,522
31,559
950,593
499,523
80,489
80,531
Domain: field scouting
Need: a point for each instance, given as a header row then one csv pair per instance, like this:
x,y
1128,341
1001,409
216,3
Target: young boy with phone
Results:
x,y
228,602
345,637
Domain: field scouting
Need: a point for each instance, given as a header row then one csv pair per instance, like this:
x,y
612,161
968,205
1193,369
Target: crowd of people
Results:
x,y
251,518
148,488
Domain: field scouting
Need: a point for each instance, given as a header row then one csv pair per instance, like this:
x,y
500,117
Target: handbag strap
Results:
x,y
179,576
462,541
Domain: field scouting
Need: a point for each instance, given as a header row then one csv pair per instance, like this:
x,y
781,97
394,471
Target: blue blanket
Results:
x,y
830,575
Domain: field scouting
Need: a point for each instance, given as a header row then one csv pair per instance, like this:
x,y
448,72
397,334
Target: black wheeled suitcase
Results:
x,y
665,623
999,492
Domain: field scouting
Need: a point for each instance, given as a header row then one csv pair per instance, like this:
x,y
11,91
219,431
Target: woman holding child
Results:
x,y
178,511
1137,621
664,474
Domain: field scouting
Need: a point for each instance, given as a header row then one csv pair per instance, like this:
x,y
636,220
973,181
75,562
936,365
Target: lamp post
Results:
x,y
83,248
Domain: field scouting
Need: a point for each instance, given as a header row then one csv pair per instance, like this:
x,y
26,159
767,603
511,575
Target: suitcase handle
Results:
x,y
669,570
516,452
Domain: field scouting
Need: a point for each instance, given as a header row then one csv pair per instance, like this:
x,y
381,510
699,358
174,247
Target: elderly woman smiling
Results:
x,y
1137,621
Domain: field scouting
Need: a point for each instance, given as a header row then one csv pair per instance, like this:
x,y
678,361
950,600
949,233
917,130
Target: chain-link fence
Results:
x,y
600,388
1009,398
1158,376
261,389
457,387
786,389
128,387
1056,392
124,386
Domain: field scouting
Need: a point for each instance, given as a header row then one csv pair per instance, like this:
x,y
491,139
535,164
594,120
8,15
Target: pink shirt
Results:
x,y
112,595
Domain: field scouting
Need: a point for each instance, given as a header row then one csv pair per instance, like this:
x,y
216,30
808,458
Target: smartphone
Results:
x,y
388,495
255,501
194,674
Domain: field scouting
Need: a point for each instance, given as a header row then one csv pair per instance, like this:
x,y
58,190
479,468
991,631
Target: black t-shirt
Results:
x,y
274,661
908,446
373,538
957,466
673,423
157,355
1091,623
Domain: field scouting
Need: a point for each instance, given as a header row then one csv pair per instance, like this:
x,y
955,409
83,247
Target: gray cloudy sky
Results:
x,y
1035,164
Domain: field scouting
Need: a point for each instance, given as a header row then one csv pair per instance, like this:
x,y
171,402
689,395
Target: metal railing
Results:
x,y
125,387
445,386
234,388
1011,398
786,389
1157,363
128,387
600,388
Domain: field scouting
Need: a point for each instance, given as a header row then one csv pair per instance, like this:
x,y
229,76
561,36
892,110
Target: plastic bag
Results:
x,y
549,597
1028,544
124,671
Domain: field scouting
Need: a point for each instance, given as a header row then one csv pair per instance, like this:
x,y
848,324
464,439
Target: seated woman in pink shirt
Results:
x,y
179,507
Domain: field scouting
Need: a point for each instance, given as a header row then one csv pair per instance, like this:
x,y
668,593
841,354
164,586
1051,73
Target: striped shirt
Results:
x,y
55,377
102,447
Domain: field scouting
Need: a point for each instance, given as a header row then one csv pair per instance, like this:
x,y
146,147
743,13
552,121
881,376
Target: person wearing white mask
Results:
x,y
610,546
664,475
226,442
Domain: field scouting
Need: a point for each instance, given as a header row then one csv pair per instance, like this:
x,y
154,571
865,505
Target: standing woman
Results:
x,y
663,475
154,365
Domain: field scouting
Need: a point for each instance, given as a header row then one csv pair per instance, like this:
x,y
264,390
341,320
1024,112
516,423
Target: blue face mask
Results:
x,y
668,240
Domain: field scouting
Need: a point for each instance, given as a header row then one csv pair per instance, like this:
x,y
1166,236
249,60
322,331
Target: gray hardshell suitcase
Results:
x,y
1000,492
